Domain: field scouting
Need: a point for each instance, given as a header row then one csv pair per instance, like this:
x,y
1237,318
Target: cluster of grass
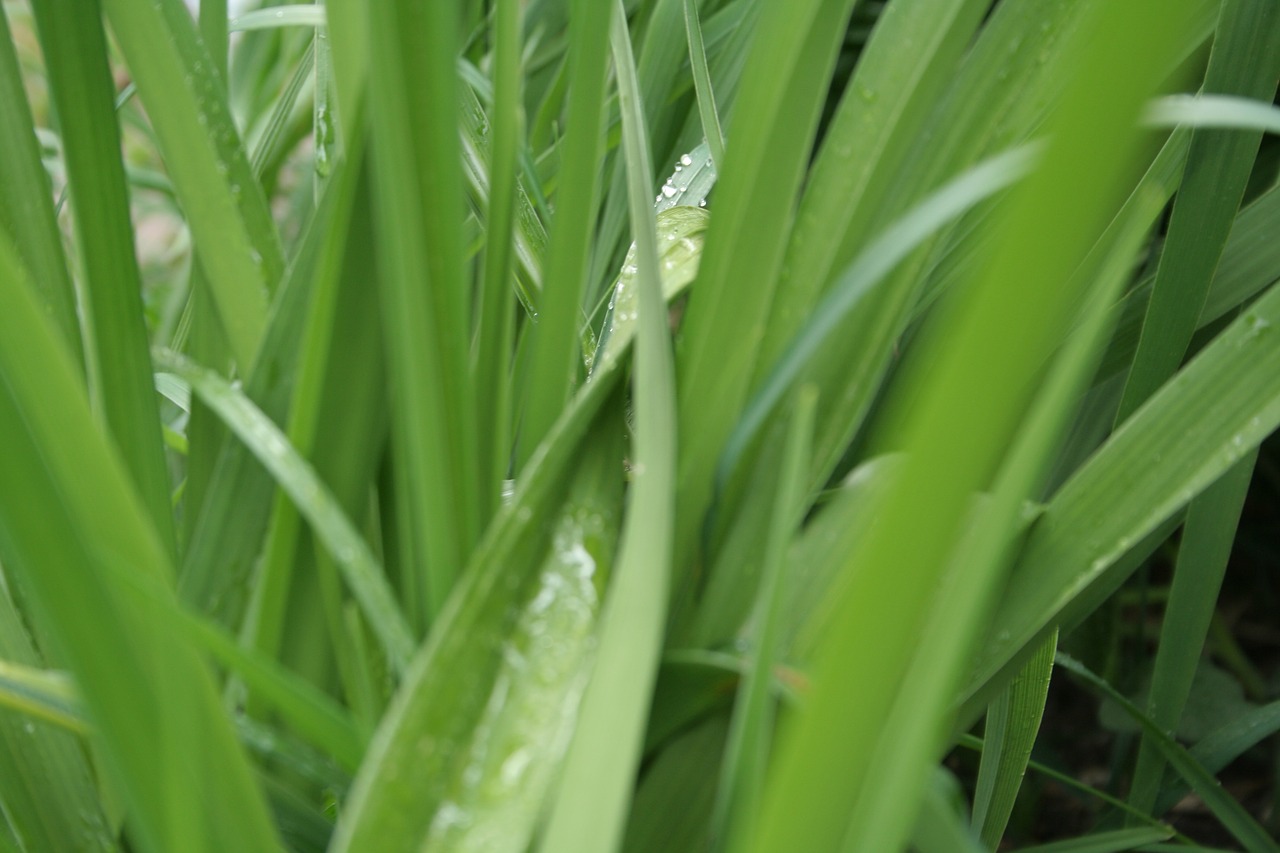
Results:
x,y
461,493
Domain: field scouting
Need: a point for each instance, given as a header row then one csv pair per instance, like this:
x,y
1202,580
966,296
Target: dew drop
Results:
x,y
669,191
686,160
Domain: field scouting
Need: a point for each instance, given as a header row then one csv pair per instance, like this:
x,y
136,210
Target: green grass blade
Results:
x,y
939,827
915,603
187,104
1013,721
591,809
1225,808
47,791
312,498
467,753
495,337
1207,539
120,382
555,364
26,205
1224,403
41,694
1245,61
226,532
702,83
1222,746
1105,842
164,734
883,108
425,291
779,106
746,760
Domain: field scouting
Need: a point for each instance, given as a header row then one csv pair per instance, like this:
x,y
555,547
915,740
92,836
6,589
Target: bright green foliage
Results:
x,y
577,426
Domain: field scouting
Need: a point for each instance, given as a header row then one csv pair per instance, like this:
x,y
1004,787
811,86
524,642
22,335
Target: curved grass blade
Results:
x,y
278,16
1207,539
690,183
64,537
1013,721
466,754
495,334
1218,111
1221,747
312,497
858,280
1219,407
590,811
1245,61
882,110
1232,815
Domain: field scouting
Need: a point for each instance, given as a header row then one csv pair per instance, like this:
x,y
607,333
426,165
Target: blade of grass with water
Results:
x,y
167,741
484,714
590,810
702,83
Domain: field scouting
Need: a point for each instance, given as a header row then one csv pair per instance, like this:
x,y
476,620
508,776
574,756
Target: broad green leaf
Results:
x,y
681,231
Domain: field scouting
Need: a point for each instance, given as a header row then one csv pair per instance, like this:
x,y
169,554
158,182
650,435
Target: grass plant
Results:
x,y
679,425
